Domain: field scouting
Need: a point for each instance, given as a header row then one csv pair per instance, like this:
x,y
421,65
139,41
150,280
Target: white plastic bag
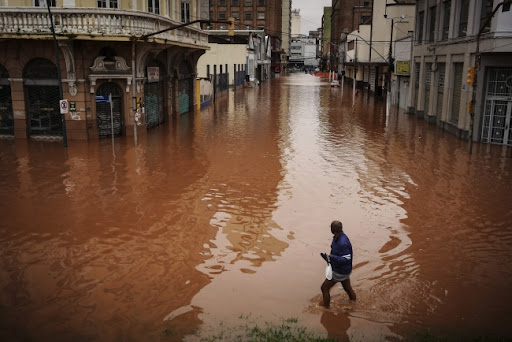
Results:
x,y
328,272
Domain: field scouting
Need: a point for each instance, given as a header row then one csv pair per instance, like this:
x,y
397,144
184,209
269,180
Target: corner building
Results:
x,y
99,47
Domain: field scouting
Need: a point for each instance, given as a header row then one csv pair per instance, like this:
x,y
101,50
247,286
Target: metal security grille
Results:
x,y
416,83
154,103
6,117
498,107
185,87
42,98
428,79
457,92
440,90
103,113
372,79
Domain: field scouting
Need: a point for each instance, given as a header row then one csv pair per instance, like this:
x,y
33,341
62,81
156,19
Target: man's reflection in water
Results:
x,y
336,324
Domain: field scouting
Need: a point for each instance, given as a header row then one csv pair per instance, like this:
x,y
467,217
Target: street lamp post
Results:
x,y
59,77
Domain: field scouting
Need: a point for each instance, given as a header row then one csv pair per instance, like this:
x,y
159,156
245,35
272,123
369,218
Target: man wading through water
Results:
x,y
341,263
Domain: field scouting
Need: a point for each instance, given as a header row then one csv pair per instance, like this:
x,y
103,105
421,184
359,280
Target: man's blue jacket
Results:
x,y
341,254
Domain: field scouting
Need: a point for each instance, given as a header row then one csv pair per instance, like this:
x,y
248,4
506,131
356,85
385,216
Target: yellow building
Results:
x,y
103,47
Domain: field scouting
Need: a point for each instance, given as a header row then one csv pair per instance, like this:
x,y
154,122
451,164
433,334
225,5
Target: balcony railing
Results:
x,y
94,23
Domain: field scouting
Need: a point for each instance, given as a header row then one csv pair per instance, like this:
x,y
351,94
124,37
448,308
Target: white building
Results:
x,y
303,53
295,26
367,53
448,36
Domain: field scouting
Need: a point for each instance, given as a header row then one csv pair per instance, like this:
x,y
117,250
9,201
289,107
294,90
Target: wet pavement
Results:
x,y
218,217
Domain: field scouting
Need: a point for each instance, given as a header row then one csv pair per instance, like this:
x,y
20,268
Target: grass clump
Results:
x,y
289,330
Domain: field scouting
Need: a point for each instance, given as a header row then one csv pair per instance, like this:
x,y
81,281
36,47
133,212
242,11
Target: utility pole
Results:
x,y
390,69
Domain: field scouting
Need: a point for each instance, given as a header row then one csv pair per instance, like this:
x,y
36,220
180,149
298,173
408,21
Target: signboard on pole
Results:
x,y
402,68
153,74
102,99
64,106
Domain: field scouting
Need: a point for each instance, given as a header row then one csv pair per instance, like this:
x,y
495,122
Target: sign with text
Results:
x,y
102,99
402,68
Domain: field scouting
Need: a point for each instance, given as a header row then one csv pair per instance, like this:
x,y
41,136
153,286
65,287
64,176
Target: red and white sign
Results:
x,y
64,106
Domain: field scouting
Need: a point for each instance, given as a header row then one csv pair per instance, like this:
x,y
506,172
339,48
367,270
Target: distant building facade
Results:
x,y
253,15
346,16
326,47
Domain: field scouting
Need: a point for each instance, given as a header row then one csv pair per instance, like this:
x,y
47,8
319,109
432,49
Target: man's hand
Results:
x,y
326,257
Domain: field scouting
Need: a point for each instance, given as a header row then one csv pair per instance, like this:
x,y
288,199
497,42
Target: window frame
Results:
x,y
154,6
463,18
42,3
185,11
421,19
432,24
447,10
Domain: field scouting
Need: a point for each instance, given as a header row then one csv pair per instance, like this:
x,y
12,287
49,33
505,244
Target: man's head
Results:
x,y
336,228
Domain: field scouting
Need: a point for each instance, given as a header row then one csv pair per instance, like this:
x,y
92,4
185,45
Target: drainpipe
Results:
x,y
371,37
134,95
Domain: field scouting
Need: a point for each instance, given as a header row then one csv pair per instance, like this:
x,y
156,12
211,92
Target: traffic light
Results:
x,y
471,75
231,27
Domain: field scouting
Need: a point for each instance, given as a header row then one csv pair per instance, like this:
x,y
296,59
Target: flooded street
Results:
x,y
219,218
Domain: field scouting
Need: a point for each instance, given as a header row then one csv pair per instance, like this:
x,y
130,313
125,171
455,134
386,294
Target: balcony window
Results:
x,y
261,15
446,18
421,16
366,19
42,3
485,14
154,6
432,25
107,4
185,11
248,2
463,18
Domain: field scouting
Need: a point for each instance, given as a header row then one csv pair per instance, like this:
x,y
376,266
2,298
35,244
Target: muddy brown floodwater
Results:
x,y
218,217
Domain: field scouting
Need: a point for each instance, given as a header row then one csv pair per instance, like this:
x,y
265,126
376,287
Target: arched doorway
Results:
x,y
103,113
42,97
154,94
185,88
6,117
